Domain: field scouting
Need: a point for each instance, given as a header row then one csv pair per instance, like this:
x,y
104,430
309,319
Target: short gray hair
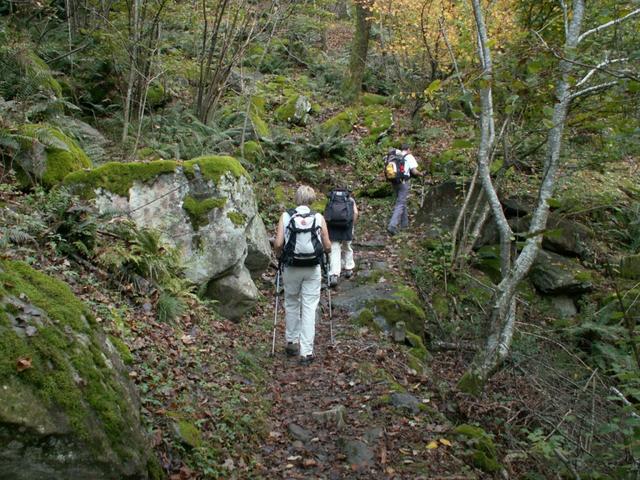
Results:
x,y
305,195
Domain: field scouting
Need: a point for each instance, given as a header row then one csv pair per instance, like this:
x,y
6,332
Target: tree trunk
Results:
x,y
359,49
504,308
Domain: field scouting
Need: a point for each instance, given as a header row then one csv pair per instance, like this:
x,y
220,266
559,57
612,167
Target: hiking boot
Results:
x,y
392,231
307,360
292,349
348,273
333,281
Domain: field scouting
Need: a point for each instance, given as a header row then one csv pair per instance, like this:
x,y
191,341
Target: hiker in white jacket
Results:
x,y
301,242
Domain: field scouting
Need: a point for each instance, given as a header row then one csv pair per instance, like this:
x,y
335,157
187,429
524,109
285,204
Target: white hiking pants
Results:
x,y
335,257
301,298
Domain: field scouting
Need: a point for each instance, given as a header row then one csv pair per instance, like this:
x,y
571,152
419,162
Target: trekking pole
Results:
x,y
327,273
275,313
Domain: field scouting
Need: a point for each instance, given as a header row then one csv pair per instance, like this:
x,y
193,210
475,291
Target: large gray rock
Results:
x,y
554,274
440,209
67,406
205,207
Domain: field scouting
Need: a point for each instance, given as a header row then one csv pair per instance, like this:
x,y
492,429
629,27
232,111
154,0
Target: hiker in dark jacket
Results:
x,y
341,235
400,216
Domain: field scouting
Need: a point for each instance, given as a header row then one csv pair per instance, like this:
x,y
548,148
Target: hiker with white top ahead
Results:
x,y
341,215
400,166
302,240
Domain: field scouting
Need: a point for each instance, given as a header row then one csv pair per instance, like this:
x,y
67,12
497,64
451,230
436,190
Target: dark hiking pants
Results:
x,y
400,216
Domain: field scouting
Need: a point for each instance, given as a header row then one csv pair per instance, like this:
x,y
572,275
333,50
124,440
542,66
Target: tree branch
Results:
x,y
595,88
585,65
598,67
608,24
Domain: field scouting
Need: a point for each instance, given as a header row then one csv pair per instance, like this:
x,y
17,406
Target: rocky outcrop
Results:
x,y
295,110
67,407
205,207
442,203
554,274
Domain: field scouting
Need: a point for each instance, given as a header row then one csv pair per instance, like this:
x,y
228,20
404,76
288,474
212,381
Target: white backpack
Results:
x,y
303,244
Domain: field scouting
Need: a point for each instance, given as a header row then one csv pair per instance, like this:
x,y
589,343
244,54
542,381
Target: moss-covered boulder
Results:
x,y
402,306
67,407
294,110
341,123
554,274
47,155
206,207
484,454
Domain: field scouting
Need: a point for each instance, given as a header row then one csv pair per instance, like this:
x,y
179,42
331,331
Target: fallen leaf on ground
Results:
x,y
23,364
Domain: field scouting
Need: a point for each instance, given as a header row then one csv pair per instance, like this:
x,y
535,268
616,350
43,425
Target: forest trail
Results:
x,y
358,411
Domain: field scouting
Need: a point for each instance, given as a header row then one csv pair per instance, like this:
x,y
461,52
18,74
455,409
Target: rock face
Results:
x,y
205,207
441,206
67,407
554,274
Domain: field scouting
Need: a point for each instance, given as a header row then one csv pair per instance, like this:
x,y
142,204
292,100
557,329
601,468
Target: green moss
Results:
x,y
253,151
68,369
485,455
415,363
369,99
256,113
198,210
279,194
319,205
123,350
58,162
342,123
395,311
372,277
117,177
213,167
286,111
630,267
189,433
470,383
237,218
39,69
365,318
440,304
156,95
418,349
378,120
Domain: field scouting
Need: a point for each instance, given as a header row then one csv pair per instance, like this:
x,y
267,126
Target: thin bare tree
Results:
x,y
513,270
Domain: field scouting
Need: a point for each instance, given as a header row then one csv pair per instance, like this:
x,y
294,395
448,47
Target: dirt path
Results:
x,y
358,411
